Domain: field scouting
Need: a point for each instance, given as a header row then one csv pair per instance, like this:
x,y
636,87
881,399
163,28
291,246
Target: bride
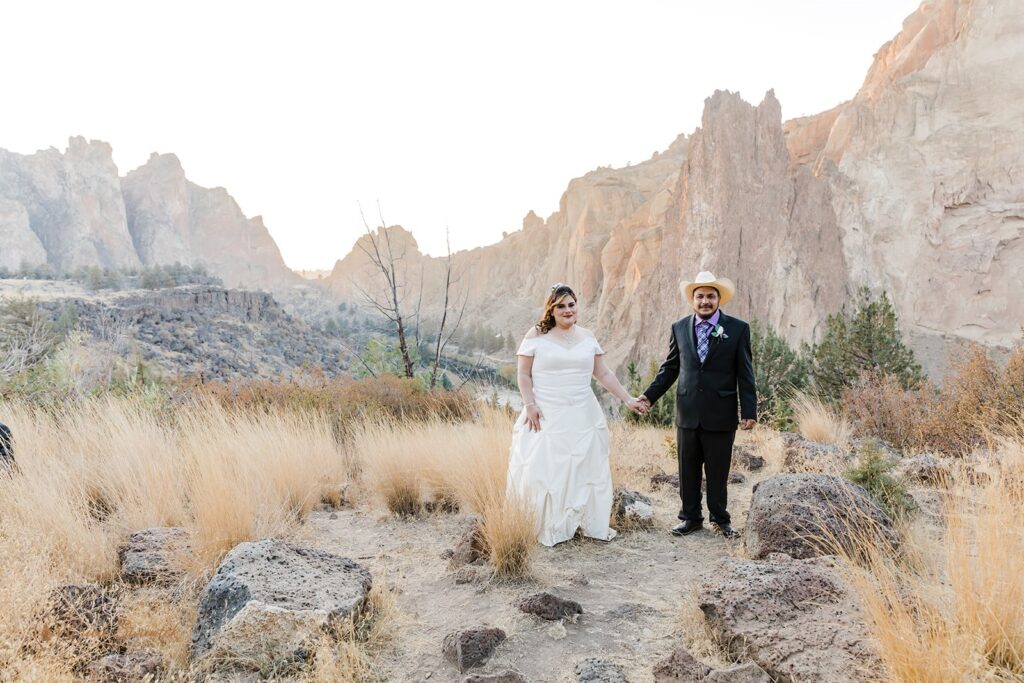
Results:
x,y
558,463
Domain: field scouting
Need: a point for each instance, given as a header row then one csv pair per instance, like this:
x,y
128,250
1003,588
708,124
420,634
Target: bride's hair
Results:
x,y
558,292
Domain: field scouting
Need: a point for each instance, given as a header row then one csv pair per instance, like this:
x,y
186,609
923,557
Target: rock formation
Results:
x,y
911,188
71,210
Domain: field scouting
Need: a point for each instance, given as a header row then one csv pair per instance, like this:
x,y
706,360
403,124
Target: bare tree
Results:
x,y
442,340
386,262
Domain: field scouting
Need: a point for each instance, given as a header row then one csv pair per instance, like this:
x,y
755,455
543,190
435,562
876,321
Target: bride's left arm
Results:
x,y
607,379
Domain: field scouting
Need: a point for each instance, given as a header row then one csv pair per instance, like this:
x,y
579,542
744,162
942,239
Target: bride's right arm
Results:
x,y
524,376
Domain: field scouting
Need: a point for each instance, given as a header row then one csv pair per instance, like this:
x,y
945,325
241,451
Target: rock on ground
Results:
x,y
742,673
631,510
925,469
470,548
801,455
153,555
796,619
680,666
744,458
134,667
594,670
801,514
79,612
549,607
269,597
471,647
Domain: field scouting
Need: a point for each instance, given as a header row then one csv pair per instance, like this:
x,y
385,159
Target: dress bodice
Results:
x,y
561,374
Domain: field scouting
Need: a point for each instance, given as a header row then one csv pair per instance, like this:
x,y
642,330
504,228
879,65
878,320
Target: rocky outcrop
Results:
x,y
270,598
796,619
806,515
73,202
71,209
910,188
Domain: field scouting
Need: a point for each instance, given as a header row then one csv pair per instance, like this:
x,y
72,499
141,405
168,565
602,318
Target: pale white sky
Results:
x,y
458,114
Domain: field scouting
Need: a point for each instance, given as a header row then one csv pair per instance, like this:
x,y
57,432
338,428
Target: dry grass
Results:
x,y
348,653
818,422
956,612
407,464
105,468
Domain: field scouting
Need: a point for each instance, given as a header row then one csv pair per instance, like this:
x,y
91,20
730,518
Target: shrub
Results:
x,y
879,406
873,471
778,372
862,341
819,422
663,412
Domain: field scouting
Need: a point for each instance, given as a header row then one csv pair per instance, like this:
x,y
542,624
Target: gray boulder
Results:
x,y
471,647
801,455
153,555
801,515
631,510
269,598
796,619
549,607
594,670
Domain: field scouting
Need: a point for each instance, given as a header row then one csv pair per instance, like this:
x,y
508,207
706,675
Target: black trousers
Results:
x,y
701,449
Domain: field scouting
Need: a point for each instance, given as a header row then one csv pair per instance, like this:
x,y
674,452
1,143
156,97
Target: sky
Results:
x,y
455,117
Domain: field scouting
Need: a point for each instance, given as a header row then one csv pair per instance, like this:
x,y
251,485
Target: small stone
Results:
x,y
665,480
471,647
925,469
736,478
126,668
334,515
549,607
746,458
557,631
594,670
154,555
472,574
680,665
631,510
470,548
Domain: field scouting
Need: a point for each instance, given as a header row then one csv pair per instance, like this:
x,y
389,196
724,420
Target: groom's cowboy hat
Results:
x,y
724,285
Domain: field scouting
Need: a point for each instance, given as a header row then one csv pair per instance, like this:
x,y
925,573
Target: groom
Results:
x,y
709,353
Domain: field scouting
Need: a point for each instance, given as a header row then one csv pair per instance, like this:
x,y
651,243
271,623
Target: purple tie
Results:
x,y
703,332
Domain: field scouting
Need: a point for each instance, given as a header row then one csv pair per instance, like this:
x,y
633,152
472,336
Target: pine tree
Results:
x,y
868,340
778,371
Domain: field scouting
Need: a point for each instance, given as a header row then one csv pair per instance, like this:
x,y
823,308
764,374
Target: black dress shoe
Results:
x,y
686,527
725,530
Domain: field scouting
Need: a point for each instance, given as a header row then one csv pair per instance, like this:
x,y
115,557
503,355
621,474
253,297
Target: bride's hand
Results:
x,y
637,406
533,416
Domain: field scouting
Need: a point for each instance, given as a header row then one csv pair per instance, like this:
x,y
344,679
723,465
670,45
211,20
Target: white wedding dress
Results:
x,y
562,472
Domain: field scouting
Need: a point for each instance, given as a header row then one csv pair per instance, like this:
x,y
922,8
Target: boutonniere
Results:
x,y
719,333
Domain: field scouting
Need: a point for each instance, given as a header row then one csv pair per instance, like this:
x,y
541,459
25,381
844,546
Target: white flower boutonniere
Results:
x,y
719,333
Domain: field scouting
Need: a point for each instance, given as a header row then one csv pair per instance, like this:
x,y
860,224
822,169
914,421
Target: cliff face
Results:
x,y
913,187
72,209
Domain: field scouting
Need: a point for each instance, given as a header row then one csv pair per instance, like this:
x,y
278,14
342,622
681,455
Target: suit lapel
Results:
x,y
715,342
689,341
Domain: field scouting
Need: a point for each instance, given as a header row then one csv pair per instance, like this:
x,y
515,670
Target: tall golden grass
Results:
x,y
407,464
105,468
955,610
817,421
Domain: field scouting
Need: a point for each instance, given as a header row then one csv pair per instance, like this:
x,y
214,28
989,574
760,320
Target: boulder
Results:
x,y
134,667
471,647
549,607
801,455
680,666
925,469
270,597
153,555
631,510
594,670
803,514
796,619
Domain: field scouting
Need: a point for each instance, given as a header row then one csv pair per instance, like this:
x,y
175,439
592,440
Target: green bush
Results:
x,y
779,371
663,412
866,340
873,471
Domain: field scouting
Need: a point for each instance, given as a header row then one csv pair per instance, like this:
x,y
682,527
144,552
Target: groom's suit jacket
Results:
x,y
707,393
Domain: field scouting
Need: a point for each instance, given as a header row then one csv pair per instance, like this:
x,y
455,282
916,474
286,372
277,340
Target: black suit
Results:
x,y
708,397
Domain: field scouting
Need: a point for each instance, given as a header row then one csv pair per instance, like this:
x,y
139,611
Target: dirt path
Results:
x,y
632,591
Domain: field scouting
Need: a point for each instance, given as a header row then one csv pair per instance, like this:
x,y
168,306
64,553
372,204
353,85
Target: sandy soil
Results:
x,y
632,589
